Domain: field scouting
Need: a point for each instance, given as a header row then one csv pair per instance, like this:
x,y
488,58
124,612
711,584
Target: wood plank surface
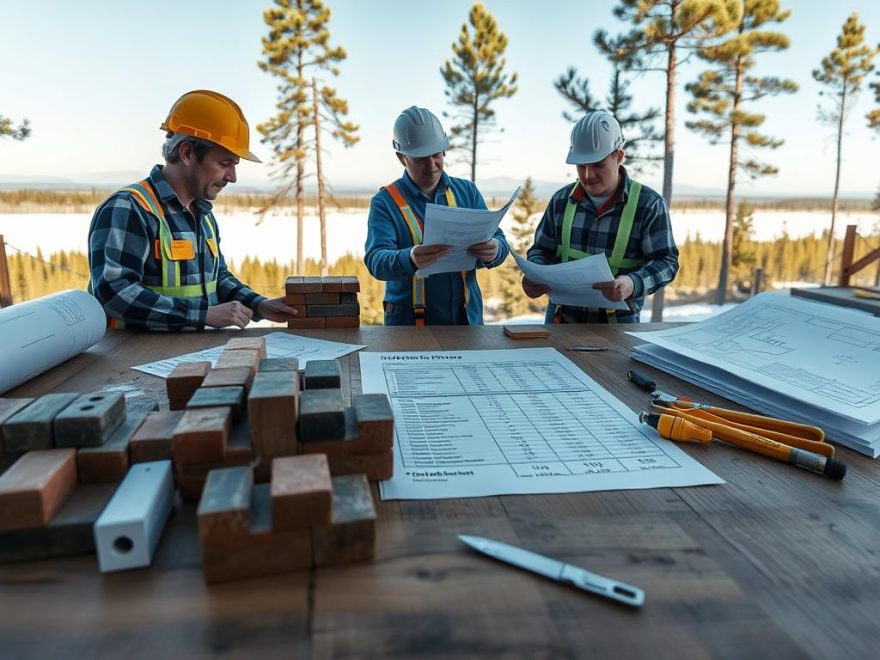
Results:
x,y
775,563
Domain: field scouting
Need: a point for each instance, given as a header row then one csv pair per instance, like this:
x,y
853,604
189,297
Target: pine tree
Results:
x,y
513,299
298,41
475,79
743,255
842,72
721,93
7,130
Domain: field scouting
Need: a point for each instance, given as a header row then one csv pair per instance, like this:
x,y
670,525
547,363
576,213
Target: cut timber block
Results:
x,y
279,364
249,344
35,487
229,377
110,461
69,532
8,407
342,322
152,441
272,408
219,397
321,415
306,323
333,310
238,358
344,283
322,374
31,427
375,466
351,536
128,531
322,299
239,448
301,492
183,381
89,420
201,435
375,421
261,551
225,507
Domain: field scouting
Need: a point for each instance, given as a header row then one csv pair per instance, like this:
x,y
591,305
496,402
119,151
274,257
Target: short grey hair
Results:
x,y
171,148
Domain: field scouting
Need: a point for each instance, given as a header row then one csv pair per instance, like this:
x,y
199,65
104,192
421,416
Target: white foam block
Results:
x,y
127,532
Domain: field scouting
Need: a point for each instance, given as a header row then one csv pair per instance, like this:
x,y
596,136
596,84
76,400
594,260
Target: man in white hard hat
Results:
x,y
394,249
605,211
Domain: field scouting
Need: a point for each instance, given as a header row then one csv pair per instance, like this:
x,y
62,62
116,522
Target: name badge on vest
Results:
x,y
182,250
212,246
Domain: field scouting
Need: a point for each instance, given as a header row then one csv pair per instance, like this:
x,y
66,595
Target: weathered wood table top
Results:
x,y
777,562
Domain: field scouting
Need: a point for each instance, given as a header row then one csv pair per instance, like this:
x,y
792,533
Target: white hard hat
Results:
x,y
595,136
418,133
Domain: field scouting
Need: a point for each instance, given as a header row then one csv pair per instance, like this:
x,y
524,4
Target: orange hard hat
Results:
x,y
211,116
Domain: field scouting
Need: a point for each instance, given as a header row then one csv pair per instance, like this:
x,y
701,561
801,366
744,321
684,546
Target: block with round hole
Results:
x,y
90,420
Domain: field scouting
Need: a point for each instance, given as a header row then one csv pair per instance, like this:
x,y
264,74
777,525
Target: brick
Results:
x,y
347,444
247,343
183,380
229,377
239,448
304,323
272,408
152,441
301,311
375,466
333,310
346,283
322,299
31,427
322,374
295,299
35,487
191,477
375,421
8,407
321,415
351,535
238,358
331,283
225,507
301,492
348,298
110,461
89,420
202,435
279,364
342,321
219,397
295,285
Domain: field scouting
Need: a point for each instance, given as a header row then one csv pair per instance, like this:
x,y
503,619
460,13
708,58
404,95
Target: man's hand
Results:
x,y
276,310
618,290
485,251
226,314
424,255
533,289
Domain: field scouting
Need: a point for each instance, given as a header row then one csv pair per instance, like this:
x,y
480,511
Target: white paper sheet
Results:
x,y
479,423
572,283
278,344
38,334
459,228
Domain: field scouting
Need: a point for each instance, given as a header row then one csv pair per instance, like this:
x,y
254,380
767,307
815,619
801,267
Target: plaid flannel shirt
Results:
x,y
122,261
651,240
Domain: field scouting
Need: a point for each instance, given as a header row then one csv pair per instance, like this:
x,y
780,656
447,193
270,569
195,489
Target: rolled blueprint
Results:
x,y
39,334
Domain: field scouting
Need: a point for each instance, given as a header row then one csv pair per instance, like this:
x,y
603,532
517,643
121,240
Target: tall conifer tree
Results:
x,y
8,130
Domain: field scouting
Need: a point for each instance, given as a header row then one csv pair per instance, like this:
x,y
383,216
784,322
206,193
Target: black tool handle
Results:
x,y
641,380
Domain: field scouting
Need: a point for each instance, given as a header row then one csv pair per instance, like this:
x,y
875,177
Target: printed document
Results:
x,y
479,423
572,283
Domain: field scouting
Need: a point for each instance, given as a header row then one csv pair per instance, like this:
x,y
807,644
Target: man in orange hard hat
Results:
x,y
154,247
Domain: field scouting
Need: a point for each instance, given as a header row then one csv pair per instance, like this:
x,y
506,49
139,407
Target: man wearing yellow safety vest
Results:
x,y
394,250
605,211
154,247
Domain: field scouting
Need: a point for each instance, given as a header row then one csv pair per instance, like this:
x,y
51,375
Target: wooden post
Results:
x,y
846,259
756,281
5,284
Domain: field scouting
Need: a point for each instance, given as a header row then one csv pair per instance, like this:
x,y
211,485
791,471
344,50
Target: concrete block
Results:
x,y
322,374
152,441
301,492
272,408
31,427
333,310
351,536
249,344
348,444
183,381
8,407
342,322
128,531
375,421
110,461
201,435
220,397
279,364
238,358
89,420
229,377
225,507
322,299
321,415
306,323
35,487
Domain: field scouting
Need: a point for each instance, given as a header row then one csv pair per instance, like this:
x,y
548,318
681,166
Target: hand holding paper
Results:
x,y
572,283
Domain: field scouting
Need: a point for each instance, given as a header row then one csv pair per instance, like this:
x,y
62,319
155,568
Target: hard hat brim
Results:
x,y
427,150
586,159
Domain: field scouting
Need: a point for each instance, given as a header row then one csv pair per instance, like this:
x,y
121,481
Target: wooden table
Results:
x,y
776,563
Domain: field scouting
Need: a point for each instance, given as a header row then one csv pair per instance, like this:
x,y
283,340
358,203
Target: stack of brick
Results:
x,y
324,302
302,518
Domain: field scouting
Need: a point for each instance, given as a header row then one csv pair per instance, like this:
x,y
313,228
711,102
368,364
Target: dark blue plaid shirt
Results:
x,y
651,240
122,260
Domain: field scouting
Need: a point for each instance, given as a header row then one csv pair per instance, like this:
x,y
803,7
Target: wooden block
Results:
x,y
333,310
322,374
295,299
35,487
279,364
249,344
342,321
239,448
321,415
306,323
110,462
69,532
375,466
375,421
220,397
183,380
301,492
229,377
152,441
202,435
351,535
238,358
272,408
31,427
347,283
322,299
89,420
262,551
525,331
349,443
8,407
296,285
225,507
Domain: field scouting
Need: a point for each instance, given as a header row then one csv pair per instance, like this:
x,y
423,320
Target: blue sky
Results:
x,y
97,78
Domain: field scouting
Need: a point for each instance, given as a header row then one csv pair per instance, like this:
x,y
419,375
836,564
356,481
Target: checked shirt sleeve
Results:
x,y
659,250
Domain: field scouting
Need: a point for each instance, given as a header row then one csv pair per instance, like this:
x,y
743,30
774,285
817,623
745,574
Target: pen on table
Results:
x,y
585,348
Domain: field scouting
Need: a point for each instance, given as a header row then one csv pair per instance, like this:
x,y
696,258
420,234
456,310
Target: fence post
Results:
x,y
756,280
5,284
846,259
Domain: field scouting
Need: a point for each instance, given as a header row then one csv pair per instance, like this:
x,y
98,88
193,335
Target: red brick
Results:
x,y
301,492
152,441
35,487
183,380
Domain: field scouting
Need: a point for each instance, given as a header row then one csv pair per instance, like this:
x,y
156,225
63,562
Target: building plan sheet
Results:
x,y
459,229
572,283
278,344
498,422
